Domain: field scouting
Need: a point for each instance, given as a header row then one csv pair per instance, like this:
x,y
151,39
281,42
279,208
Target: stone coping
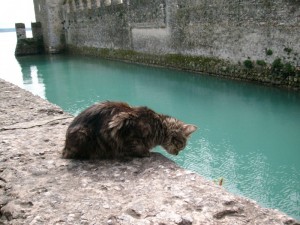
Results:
x,y
37,186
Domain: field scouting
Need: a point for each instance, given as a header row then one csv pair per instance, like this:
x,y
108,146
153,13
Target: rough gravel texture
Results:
x,y
37,186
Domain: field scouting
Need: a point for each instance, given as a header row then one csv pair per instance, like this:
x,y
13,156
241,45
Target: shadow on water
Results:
x,y
249,134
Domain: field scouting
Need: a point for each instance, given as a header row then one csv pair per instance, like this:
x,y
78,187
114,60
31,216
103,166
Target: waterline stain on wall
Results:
x,y
210,65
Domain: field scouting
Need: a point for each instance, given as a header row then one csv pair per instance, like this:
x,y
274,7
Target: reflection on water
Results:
x,y
24,75
249,134
251,174
35,84
32,80
9,67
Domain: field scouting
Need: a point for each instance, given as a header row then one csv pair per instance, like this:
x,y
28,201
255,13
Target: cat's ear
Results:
x,y
188,129
120,120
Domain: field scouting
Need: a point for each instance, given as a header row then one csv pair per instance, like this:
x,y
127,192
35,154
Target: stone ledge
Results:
x,y
37,186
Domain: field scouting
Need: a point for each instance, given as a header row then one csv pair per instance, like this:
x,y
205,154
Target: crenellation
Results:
x,y
89,4
67,7
37,32
107,2
116,2
20,31
72,5
98,3
29,46
148,14
82,5
78,5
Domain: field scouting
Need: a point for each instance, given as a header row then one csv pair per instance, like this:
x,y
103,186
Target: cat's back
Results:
x,y
100,112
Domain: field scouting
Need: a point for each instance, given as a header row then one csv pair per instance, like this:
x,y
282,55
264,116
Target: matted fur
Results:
x,y
116,130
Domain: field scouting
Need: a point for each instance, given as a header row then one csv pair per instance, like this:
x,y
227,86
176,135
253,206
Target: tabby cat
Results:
x,y
114,130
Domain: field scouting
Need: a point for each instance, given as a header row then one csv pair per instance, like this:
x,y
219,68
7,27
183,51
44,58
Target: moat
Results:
x,y
249,134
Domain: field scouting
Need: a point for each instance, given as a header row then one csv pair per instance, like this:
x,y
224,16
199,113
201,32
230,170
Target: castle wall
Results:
x,y
50,14
238,29
20,30
136,25
37,31
150,26
227,29
240,39
97,25
29,46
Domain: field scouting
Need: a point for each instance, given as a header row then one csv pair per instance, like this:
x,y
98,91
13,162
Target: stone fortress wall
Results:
x,y
238,29
229,29
234,34
29,46
49,13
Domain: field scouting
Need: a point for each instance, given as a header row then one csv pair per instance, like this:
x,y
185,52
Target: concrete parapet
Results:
x,y
37,186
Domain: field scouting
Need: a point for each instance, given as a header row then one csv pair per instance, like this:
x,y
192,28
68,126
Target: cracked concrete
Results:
x,y
37,186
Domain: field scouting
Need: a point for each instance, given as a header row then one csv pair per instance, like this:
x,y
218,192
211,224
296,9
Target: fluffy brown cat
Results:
x,y
115,130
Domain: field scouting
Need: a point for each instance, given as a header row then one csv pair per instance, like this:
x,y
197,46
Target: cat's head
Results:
x,y
177,134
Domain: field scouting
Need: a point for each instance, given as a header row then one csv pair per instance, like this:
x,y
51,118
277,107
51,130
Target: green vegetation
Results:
x,y
261,63
248,64
288,50
257,70
277,66
219,181
280,68
269,52
289,70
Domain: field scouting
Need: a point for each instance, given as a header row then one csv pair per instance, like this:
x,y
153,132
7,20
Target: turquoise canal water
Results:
x,y
249,135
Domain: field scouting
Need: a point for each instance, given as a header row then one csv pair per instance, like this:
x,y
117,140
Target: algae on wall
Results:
x,y
211,65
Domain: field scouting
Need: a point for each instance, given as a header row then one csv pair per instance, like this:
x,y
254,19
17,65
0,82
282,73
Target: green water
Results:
x,y
249,134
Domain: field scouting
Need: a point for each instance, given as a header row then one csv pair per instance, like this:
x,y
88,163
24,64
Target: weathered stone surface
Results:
x,y
240,40
37,186
21,107
29,46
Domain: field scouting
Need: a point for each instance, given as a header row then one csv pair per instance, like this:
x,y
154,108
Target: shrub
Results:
x,y
277,66
261,62
248,64
269,52
283,69
288,50
288,70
